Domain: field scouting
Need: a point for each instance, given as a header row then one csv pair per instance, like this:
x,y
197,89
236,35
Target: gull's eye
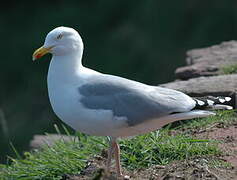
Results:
x,y
59,36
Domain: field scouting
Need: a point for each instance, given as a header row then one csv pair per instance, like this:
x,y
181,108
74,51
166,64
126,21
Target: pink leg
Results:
x,y
114,148
117,158
110,152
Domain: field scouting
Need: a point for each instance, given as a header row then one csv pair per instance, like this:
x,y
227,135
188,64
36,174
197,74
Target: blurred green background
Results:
x,y
136,39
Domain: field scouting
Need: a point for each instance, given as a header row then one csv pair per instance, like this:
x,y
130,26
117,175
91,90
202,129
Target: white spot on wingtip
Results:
x,y
200,103
227,99
222,100
210,102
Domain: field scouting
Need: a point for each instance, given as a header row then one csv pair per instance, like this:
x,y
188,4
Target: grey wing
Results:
x,y
135,101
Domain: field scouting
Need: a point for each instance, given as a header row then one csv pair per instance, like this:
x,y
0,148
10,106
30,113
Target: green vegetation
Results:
x,y
217,163
53,162
71,157
229,69
160,147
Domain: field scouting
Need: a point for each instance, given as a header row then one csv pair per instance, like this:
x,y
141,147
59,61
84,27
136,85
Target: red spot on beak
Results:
x,y
38,56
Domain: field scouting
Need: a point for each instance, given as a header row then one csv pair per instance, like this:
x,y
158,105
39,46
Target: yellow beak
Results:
x,y
40,52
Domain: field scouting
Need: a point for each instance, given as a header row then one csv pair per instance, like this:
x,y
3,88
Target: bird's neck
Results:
x,y
65,67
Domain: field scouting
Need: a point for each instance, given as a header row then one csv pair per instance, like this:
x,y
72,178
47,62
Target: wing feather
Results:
x,y
135,101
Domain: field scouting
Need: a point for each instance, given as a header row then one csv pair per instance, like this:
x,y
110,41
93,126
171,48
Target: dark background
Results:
x,y
144,40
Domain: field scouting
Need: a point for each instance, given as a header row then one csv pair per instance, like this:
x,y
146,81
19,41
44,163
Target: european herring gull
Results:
x,y
106,105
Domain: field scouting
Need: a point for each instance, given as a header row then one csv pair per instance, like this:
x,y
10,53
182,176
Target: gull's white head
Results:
x,y
61,41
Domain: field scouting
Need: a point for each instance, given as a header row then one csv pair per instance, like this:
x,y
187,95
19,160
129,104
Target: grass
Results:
x,y
217,163
51,163
163,148
229,69
160,147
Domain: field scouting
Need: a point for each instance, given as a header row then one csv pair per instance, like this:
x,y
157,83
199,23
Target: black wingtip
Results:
x,y
220,102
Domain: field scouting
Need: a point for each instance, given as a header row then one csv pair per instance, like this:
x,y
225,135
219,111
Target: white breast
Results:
x,y
64,97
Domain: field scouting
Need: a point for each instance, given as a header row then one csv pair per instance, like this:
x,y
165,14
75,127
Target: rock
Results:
x,y
41,140
208,61
223,85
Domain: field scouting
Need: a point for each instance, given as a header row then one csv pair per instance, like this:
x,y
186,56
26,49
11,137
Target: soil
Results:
x,y
191,169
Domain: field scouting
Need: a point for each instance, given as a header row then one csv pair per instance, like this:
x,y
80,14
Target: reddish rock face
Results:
x,y
203,75
208,61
